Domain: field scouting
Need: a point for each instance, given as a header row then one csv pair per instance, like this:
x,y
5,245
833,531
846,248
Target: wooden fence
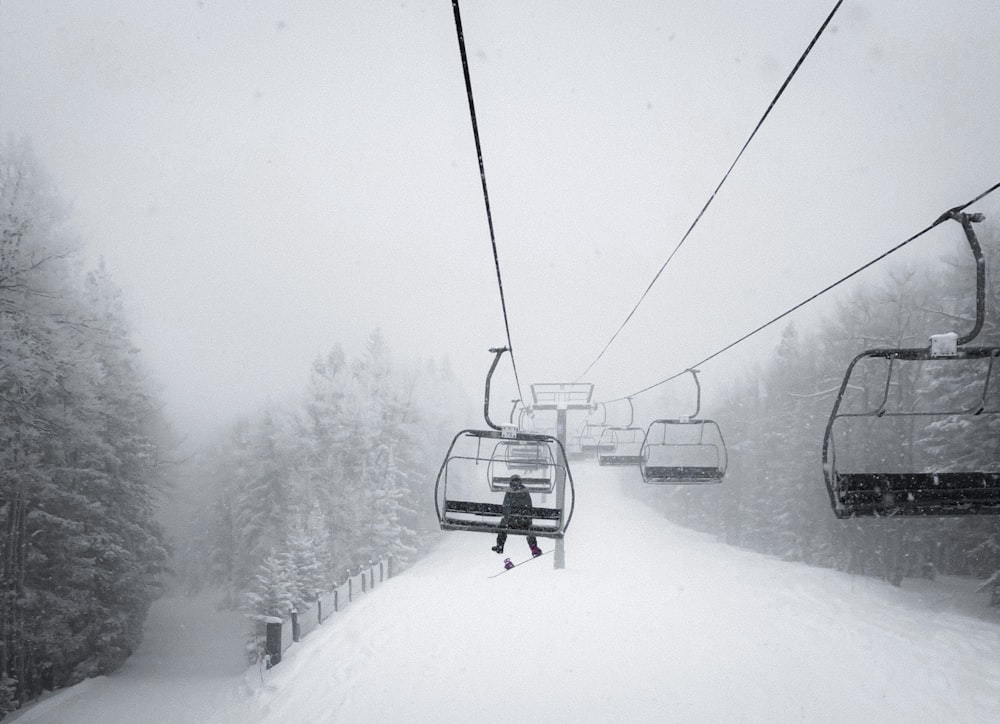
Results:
x,y
272,635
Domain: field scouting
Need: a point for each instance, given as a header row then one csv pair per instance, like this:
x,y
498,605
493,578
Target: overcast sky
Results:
x,y
267,179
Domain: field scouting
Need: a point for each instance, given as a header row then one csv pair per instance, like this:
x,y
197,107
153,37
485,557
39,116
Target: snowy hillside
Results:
x,y
647,622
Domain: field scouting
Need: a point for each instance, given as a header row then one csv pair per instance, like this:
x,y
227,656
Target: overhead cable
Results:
x,y
704,208
486,195
941,219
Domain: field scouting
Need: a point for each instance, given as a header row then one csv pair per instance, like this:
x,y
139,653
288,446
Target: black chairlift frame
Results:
x,y
609,445
531,460
456,512
696,472
590,433
927,492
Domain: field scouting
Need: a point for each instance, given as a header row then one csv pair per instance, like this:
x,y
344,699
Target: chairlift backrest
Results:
x,y
916,433
683,451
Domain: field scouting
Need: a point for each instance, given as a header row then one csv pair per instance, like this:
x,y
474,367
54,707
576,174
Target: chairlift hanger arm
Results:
x,y
513,408
697,406
967,220
953,213
498,353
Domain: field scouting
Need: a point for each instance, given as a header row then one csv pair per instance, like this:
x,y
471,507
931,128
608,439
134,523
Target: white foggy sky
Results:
x,y
267,179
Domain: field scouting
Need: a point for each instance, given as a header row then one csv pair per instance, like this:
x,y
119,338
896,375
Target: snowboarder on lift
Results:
x,y
516,504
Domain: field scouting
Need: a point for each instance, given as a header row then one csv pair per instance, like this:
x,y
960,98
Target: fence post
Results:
x,y
350,587
273,639
296,632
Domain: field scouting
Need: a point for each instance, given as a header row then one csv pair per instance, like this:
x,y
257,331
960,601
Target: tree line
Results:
x,y
80,437
287,499
293,497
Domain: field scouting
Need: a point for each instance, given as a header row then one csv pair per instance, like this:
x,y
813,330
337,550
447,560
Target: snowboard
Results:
x,y
519,563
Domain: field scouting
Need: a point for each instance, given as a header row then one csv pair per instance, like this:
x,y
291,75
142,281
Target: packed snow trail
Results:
x,y
188,665
647,622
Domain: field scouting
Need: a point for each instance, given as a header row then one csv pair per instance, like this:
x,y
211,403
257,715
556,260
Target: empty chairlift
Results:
x,y
684,450
916,431
621,446
531,460
590,433
590,439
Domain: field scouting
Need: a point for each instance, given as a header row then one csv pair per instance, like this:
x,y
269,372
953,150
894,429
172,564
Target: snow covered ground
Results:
x,y
647,622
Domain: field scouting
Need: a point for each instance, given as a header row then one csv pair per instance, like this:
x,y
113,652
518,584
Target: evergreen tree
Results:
x,y
80,552
271,592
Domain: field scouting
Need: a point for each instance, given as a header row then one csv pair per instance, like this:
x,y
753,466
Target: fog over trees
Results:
x,y
278,506
286,500
82,553
291,499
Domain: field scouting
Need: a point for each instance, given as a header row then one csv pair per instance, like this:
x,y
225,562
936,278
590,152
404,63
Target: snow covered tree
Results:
x,y
307,564
271,592
80,433
344,480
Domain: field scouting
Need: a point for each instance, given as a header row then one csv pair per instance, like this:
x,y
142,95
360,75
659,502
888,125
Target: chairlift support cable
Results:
x,y
725,177
952,213
486,194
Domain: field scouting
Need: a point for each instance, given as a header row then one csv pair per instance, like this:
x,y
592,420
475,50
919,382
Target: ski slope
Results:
x,y
647,622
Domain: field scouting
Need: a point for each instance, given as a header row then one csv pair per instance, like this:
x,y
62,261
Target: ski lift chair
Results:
x,y
683,451
469,496
916,431
620,446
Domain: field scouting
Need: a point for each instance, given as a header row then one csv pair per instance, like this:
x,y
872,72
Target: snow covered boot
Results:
x,y
507,564
535,551
497,549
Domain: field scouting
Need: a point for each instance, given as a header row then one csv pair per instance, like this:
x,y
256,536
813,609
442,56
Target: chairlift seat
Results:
x,y
683,451
476,516
916,494
683,474
619,460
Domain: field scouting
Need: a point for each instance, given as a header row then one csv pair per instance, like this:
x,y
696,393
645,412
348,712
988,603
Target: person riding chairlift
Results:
x,y
516,514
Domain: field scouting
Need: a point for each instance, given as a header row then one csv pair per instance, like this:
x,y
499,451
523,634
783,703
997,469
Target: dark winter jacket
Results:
x,y
516,507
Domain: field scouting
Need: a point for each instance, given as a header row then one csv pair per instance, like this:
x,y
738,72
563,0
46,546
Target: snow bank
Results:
x,y
647,622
